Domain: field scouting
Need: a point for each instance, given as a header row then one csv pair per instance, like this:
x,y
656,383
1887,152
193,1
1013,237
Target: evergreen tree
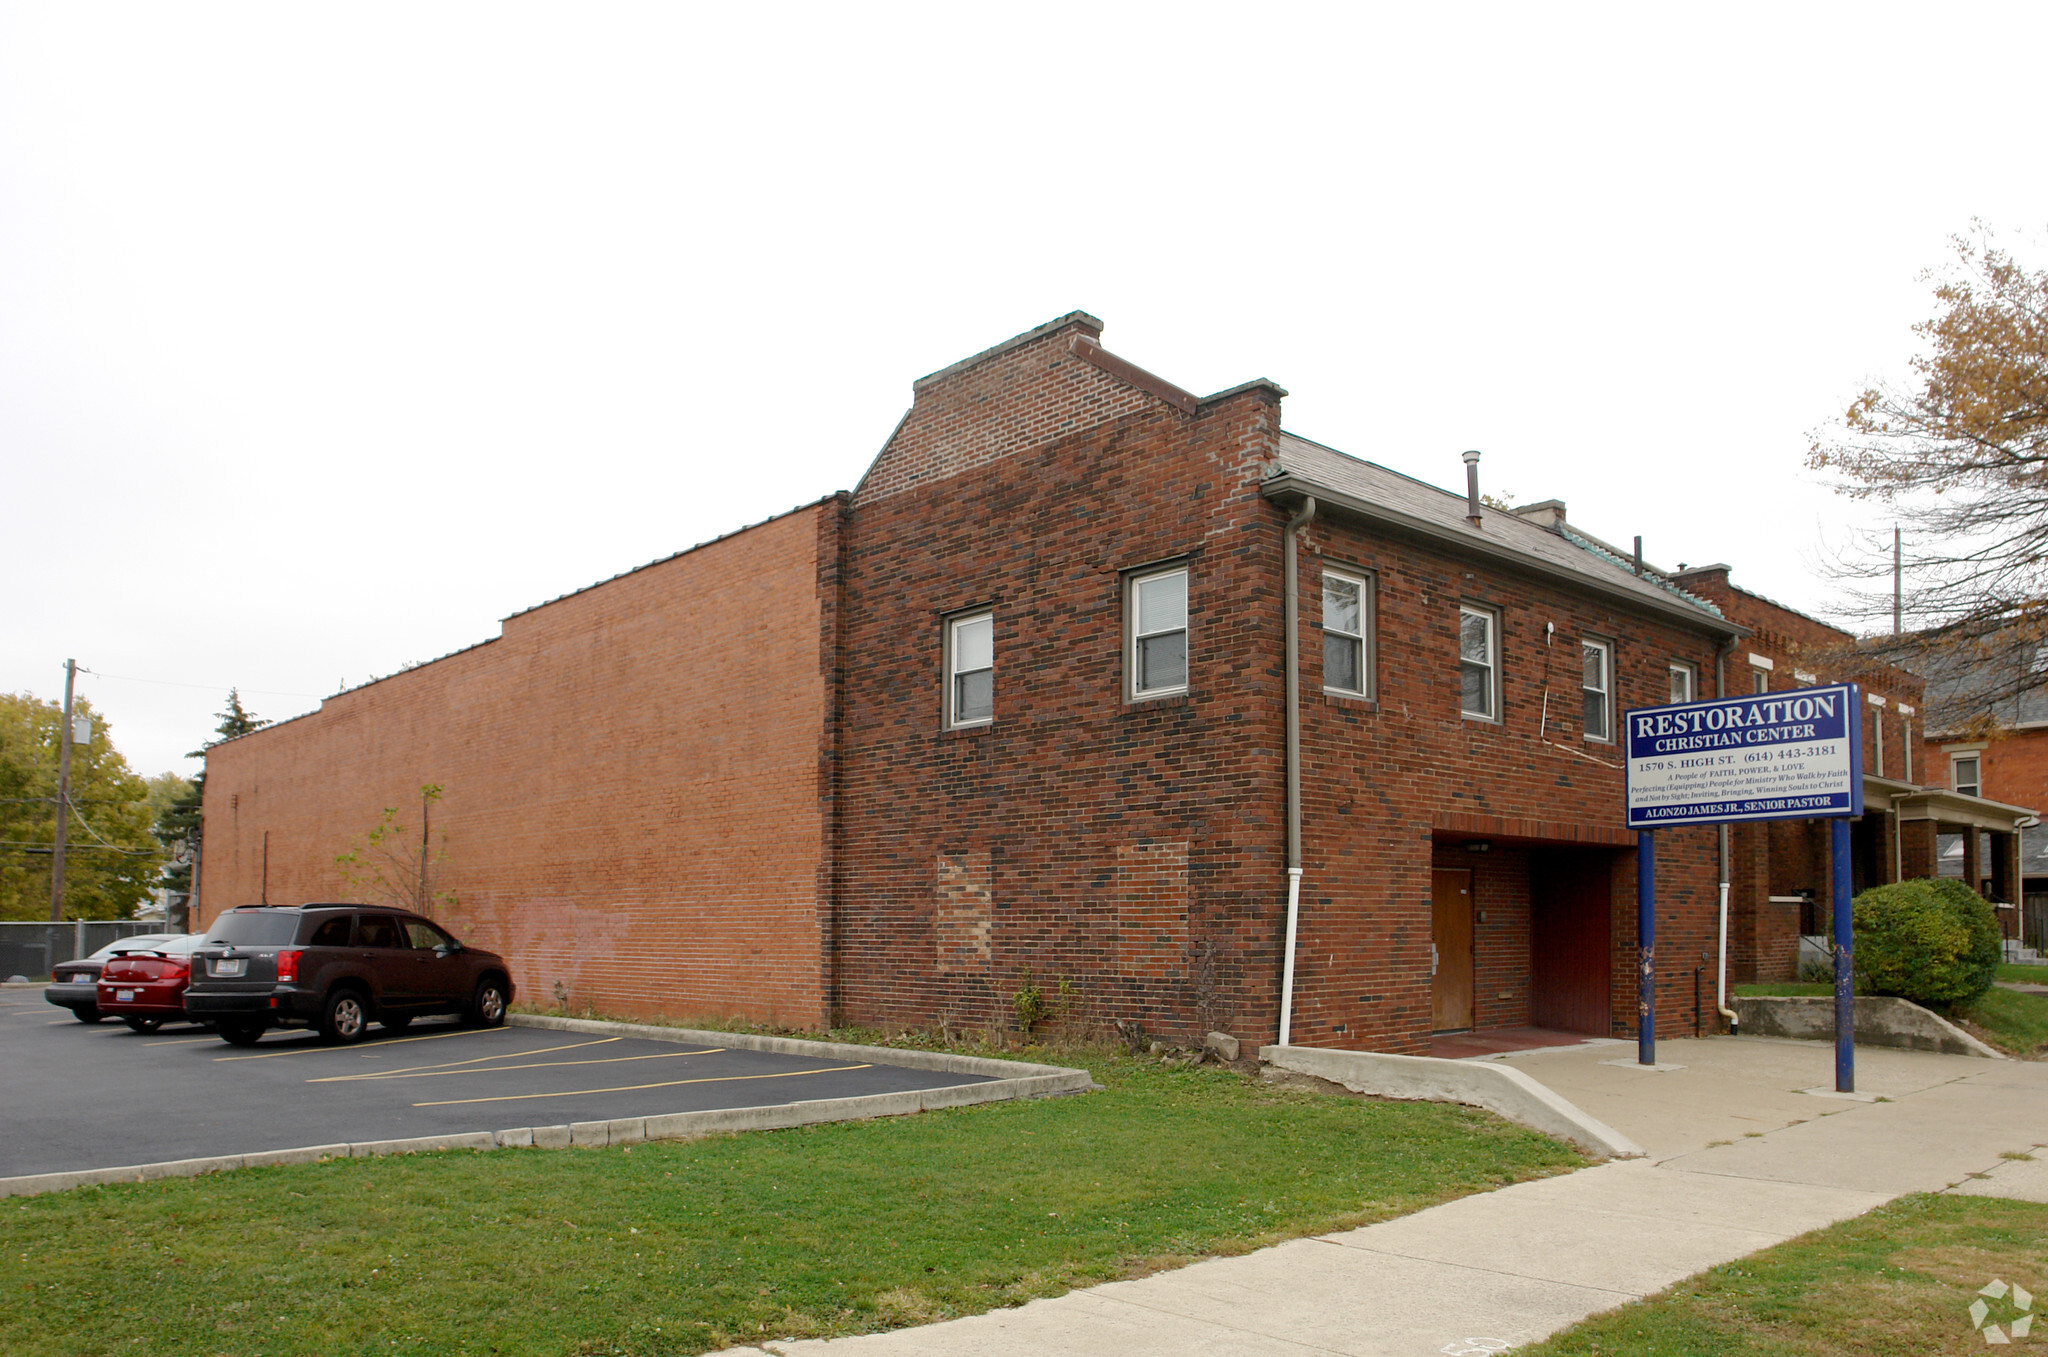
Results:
x,y
182,821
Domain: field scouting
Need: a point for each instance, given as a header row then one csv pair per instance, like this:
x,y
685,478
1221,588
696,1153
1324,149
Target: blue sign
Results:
x,y
1794,755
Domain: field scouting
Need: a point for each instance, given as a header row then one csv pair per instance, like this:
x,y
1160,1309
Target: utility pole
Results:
x,y
1898,584
192,895
63,798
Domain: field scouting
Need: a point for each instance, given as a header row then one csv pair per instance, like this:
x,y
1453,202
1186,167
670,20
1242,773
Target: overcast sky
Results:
x,y
330,335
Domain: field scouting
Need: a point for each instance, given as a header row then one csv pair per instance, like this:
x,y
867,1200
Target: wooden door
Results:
x,y
1571,942
1451,934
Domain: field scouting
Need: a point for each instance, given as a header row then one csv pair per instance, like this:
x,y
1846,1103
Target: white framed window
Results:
x,y
1759,680
1965,774
971,670
1479,662
1156,610
1684,681
1596,687
1347,634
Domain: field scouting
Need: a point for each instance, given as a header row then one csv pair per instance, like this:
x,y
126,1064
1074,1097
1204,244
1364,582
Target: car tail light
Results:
x,y
288,966
175,970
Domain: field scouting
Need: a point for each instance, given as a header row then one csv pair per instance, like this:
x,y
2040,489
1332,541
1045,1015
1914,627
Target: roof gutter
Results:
x,y
1290,485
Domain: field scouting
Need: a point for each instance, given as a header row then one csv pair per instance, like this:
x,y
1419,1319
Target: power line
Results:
x,y
210,687
81,847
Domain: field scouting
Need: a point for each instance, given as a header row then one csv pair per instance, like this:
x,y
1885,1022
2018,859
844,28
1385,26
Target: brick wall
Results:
x,y
1138,849
2014,766
1793,641
1017,396
1133,847
1389,784
636,790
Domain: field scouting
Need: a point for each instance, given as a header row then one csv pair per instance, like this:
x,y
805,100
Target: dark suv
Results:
x,y
336,968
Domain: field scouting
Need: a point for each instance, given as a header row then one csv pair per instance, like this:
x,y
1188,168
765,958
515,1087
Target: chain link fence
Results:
x,y
29,950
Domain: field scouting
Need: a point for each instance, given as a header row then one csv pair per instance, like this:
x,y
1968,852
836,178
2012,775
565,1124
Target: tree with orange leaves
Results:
x,y
1960,451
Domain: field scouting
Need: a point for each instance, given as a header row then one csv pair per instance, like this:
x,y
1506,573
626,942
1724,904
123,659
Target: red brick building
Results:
x,y
1016,712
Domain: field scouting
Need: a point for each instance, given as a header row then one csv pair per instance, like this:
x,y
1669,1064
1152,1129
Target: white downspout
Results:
x,y
1721,966
1721,952
1287,977
1293,591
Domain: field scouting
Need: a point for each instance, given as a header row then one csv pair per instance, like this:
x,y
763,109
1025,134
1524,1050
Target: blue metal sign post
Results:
x,y
1646,947
1794,755
1845,959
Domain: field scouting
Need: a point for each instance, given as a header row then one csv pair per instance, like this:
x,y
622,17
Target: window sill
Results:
x,y
968,732
1350,701
1144,704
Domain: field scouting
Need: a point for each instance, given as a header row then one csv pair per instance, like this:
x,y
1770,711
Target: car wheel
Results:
x,y
487,1009
137,1023
396,1022
88,1015
345,1017
240,1033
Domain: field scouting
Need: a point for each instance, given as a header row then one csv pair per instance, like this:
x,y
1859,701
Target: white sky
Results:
x,y
331,334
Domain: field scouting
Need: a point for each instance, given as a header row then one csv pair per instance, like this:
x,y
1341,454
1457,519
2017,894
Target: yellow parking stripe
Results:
x,y
458,1064
433,1073
635,1088
310,1048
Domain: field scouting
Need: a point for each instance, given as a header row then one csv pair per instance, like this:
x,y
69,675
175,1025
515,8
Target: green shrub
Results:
x,y
1934,942
1981,916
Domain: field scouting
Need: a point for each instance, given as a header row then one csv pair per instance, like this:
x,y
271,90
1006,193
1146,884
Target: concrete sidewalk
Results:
x,y
1743,1155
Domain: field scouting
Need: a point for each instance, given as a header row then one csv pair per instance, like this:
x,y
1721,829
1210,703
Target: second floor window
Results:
x,y
1964,775
971,670
1682,685
1158,612
1347,621
1478,663
1596,684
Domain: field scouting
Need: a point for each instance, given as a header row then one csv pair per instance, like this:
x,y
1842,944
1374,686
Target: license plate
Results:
x,y
234,967
124,996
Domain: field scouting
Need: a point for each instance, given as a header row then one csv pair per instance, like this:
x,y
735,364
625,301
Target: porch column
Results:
x,y
1917,844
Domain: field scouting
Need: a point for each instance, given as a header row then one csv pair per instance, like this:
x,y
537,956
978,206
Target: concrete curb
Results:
x,y
1500,1089
1879,1022
1009,1079
945,1061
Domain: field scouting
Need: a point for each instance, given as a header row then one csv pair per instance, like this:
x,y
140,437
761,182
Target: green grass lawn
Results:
x,y
1898,1281
2013,1022
2023,975
681,1247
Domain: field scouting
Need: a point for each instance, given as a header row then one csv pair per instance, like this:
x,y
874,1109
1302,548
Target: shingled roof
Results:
x,y
1348,484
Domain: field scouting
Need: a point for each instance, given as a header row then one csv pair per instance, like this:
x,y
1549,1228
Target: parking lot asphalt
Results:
x,y
75,1096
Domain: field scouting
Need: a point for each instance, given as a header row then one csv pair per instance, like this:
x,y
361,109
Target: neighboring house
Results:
x,y
1015,712
1997,749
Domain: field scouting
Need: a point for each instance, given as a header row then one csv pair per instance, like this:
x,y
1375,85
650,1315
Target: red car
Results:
x,y
146,989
